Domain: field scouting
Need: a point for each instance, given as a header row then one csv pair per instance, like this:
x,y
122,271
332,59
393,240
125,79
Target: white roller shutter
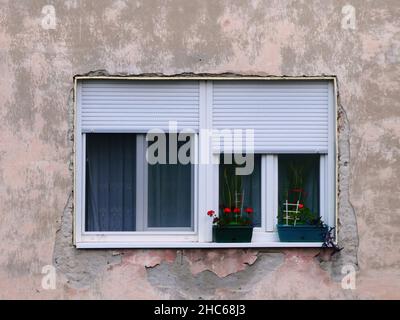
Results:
x,y
137,106
287,116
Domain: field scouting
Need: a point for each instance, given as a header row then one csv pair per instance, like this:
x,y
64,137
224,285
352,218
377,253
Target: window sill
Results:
x,y
194,245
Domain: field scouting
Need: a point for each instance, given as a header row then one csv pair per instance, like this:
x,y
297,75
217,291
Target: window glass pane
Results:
x,y
170,194
240,191
110,182
299,181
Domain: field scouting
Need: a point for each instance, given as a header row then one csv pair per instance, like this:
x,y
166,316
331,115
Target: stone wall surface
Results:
x,y
271,38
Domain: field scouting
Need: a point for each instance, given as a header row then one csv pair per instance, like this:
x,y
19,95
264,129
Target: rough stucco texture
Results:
x,y
277,38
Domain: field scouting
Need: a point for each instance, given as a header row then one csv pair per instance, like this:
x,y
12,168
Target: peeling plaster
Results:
x,y
180,281
347,223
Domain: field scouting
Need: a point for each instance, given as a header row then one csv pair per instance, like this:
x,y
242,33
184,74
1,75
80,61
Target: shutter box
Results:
x,y
286,116
137,106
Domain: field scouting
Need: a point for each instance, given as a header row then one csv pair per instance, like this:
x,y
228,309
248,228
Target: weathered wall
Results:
x,y
170,37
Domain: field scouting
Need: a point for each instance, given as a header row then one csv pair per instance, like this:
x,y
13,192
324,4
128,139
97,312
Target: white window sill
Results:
x,y
184,245
110,240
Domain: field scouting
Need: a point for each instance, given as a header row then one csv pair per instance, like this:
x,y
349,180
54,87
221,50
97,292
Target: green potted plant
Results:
x,y
299,224
234,222
232,225
296,221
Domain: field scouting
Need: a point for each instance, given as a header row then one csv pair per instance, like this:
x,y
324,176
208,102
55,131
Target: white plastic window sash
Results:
x,y
206,192
269,199
141,196
142,189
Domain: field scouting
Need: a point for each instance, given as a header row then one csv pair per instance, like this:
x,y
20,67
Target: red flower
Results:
x,y
249,210
227,210
210,212
301,206
297,190
236,210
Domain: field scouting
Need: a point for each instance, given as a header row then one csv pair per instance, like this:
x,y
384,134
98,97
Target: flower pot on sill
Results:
x,y
232,233
302,233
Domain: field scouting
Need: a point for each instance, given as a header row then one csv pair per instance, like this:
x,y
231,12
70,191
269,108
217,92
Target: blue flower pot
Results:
x,y
302,233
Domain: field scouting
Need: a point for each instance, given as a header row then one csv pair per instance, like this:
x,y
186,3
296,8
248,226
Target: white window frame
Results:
x,y
206,189
146,234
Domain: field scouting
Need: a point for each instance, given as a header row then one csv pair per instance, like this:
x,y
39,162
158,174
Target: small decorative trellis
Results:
x,y
291,208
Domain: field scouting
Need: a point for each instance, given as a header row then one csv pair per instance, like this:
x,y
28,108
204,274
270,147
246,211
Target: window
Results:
x,y
241,191
244,143
170,193
111,182
299,182
126,193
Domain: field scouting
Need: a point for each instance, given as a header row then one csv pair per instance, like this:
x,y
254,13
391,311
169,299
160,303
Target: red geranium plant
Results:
x,y
232,216
232,210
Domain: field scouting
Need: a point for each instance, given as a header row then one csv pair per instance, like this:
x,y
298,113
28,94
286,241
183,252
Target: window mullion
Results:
x,y
141,183
270,194
207,171
264,196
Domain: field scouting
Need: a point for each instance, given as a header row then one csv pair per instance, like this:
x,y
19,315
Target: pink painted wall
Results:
x,y
268,37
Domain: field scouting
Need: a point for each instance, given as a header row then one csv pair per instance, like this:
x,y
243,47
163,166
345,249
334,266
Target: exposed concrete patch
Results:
x,y
347,223
148,258
299,277
179,282
80,267
105,73
222,262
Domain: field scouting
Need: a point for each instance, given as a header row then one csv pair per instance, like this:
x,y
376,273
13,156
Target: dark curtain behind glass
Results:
x,y
310,165
170,194
110,182
251,185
